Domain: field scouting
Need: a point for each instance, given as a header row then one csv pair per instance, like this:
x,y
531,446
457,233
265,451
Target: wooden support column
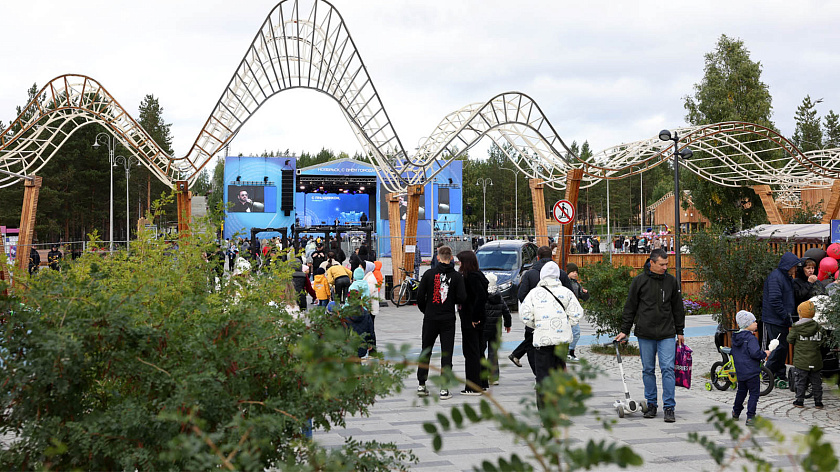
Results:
x,y
540,226
412,215
184,197
773,213
833,208
31,189
573,178
396,237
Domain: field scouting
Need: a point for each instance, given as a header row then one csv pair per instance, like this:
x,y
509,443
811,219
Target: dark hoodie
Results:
x,y
746,354
807,337
654,304
439,291
496,309
531,278
777,303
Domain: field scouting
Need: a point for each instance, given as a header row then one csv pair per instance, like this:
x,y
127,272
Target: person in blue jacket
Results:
x,y
777,308
746,354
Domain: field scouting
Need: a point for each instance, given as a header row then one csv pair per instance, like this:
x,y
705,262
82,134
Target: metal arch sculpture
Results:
x,y
312,48
59,109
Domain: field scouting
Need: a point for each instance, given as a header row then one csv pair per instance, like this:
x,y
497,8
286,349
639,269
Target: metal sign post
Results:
x,y
564,213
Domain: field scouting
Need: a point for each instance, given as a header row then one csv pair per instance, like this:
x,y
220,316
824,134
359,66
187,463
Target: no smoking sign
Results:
x,y
563,212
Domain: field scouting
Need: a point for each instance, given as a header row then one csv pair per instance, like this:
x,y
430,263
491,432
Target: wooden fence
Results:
x,y
691,284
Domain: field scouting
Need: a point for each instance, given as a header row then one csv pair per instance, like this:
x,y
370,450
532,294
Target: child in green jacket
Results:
x,y
806,336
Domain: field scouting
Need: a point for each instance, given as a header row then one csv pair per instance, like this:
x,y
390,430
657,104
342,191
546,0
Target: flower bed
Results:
x,y
695,305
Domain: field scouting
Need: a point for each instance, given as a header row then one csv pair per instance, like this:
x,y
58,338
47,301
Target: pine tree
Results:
x,y
731,90
832,130
808,135
151,119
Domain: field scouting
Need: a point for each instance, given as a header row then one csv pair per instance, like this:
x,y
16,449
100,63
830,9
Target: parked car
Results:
x,y
508,259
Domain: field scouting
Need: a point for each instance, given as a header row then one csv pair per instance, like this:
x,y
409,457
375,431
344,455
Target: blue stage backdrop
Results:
x,y
260,178
324,208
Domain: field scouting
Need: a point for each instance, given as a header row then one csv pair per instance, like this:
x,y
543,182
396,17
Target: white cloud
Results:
x,y
603,71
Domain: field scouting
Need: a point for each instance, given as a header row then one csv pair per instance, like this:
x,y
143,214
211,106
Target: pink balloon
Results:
x,y
833,251
828,266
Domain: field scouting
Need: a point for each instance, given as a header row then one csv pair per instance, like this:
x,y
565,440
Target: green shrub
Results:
x,y
608,287
733,270
130,362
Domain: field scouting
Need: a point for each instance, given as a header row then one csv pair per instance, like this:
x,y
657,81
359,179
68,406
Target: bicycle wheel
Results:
x,y
400,295
767,381
719,379
395,294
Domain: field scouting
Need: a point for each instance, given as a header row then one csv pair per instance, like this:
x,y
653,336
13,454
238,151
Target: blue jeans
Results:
x,y
575,337
666,350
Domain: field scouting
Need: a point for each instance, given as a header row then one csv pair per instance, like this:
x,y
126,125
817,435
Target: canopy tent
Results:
x,y
810,233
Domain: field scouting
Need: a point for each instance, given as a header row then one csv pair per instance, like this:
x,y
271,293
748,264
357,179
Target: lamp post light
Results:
x,y
484,182
111,142
126,163
686,153
516,201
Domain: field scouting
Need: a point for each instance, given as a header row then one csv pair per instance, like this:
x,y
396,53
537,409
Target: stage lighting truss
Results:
x,y
306,44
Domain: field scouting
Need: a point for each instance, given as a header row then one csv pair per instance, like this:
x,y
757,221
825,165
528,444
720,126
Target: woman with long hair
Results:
x,y
473,317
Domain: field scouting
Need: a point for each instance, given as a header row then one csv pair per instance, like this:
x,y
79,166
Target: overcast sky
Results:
x,y
607,72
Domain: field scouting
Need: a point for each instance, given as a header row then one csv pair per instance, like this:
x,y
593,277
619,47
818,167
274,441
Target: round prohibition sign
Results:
x,y
563,212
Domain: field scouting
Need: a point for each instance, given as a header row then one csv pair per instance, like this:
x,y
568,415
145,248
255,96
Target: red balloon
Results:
x,y
833,251
828,266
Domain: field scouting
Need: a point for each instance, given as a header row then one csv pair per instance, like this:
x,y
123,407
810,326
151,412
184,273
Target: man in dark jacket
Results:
x,y
654,304
34,260
529,280
301,283
777,307
440,290
54,257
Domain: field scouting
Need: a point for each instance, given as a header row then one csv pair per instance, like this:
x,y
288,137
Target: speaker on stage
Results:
x,y
287,191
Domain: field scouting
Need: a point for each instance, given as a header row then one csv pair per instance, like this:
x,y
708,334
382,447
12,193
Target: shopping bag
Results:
x,y
682,366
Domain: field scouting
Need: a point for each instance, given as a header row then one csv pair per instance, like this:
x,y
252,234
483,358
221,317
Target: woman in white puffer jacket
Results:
x,y
550,309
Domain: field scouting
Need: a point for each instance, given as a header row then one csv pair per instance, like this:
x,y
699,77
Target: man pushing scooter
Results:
x,y
654,304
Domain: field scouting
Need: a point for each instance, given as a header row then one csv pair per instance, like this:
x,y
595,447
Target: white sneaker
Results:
x,y
422,391
445,395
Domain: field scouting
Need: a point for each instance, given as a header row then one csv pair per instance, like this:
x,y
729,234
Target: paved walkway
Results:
x,y
399,418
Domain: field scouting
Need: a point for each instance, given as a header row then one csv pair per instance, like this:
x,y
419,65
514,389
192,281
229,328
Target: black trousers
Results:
x,y
751,386
431,330
342,286
546,361
776,361
471,341
527,347
804,377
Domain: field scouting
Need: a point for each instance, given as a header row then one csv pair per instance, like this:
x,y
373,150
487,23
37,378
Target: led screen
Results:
x,y
326,208
252,199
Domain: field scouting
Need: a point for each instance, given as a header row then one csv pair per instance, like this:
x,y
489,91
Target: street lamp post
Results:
x,y
686,153
111,142
484,182
126,163
516,201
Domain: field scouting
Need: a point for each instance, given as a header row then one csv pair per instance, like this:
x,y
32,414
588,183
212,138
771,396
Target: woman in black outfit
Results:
x,y
806,285
473,317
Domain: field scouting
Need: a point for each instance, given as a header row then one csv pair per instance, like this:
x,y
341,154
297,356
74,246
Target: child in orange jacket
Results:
x,y
321,286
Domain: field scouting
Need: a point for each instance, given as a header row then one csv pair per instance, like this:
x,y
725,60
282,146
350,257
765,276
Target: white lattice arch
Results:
x,y
305,44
